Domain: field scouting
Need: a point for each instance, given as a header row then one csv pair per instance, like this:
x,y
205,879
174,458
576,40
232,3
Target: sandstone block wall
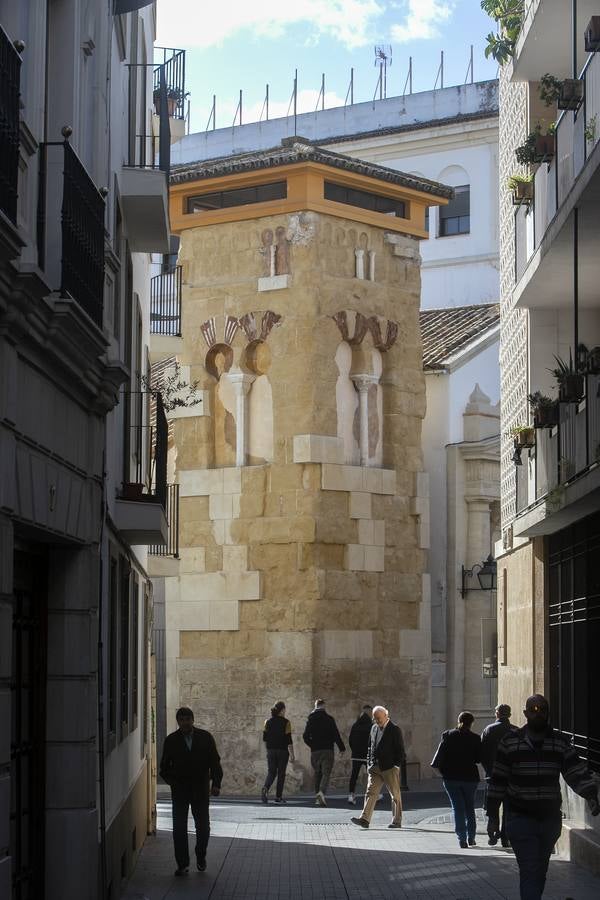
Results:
x,y
301,571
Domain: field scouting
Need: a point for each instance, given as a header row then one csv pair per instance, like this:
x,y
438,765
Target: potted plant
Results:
x,y
173,97
566,93
570,381
522,188
544,409
523,436
537,148
592,35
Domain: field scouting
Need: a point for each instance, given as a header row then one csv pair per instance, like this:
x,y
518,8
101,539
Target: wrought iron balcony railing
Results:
x,y
165,303
10,74
564,452
171,548
145,448
72,253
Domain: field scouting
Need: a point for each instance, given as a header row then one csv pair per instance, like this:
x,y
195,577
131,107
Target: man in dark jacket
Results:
x,y
385,754
526,777
320,734
490,738
189,764
360,734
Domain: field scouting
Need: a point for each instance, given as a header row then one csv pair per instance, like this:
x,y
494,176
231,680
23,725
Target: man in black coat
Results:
x,y
385,755
320,734
191,766
490,738
358,739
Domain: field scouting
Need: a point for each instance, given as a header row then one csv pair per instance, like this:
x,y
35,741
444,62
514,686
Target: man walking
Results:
x,y
359,747
490,738
525,777
189,764
385,754
320,734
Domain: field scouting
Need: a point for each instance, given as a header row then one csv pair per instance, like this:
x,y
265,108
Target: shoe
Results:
x,y
264,796
395,825
280,800
472,843
351,799
320,799
506,843
201,864
182,871
463,845
359,821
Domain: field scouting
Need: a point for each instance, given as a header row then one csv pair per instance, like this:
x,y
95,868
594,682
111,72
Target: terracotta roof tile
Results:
x,y
446,331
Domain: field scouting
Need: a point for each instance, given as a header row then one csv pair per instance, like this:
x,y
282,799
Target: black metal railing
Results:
x,y
565,451
170,69
10,76
148,150
75,264
165,302
171,548
145,447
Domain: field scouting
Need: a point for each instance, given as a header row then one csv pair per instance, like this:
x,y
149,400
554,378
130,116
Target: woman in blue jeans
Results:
x,y
456,758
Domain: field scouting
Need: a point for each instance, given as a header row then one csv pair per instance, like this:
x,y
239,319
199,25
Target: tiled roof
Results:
x,y
447,331
299,150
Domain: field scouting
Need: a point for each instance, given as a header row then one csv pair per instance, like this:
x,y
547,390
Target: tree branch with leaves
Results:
x,y
508,14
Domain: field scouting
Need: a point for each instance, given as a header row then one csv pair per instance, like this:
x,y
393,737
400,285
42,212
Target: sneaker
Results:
x,y
463,845
395,825
351,799
362,823
492,841
472,843
201,864
183,870
506,843
264,796
280,800
320,799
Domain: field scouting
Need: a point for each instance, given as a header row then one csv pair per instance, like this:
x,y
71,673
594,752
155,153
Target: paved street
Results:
x,y
298,852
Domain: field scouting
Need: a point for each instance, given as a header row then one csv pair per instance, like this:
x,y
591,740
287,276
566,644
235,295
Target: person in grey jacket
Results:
x,y
490,738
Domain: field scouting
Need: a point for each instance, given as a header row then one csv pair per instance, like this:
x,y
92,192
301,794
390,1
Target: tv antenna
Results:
x,y
383,57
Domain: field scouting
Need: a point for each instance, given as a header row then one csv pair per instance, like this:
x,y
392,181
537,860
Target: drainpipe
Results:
x,y
575,284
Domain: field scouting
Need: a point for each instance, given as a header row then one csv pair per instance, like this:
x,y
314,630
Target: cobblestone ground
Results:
x,y
297,852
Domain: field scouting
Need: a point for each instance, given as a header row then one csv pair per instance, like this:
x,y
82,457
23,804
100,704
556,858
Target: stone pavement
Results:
x,y
299,852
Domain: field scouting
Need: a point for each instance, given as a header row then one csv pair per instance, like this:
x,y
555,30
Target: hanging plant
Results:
x,y
522,188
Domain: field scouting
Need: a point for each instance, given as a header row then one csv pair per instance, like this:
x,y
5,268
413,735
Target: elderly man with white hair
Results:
x,y
385,754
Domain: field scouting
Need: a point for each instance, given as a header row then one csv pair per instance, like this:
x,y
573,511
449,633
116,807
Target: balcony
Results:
x,y
71,229
546,35
559,479
165,315
544,235
171,547
10,75
140,510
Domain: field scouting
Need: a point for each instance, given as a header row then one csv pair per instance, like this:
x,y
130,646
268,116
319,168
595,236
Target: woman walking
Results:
x,y
456,758
277,735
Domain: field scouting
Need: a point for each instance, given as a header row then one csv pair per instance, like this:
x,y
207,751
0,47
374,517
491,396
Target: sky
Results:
x,y
235,45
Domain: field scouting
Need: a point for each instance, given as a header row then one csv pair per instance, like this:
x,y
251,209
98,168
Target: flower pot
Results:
x,y
545,416
525,439
131,490
544,147
571,94
172,106
592,35
571,388
522,192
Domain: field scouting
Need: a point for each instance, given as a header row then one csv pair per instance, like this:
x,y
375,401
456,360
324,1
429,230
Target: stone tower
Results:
x,y
303,507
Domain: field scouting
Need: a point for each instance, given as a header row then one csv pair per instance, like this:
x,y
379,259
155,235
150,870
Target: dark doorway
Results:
x,y
28,705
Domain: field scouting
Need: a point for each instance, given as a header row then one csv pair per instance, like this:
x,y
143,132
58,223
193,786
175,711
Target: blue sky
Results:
x,y
245,44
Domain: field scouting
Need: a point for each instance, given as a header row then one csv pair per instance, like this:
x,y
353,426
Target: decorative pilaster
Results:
x,y
241,383
371,255
360,264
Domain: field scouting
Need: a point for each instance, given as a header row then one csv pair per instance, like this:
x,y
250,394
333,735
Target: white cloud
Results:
x,y
422,20
194,23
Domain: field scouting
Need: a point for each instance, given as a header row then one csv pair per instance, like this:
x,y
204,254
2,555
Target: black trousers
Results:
x,y
357,765
183,795
277,761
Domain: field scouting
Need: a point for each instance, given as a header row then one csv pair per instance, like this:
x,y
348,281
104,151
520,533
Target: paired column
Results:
x,y
362,383
241,383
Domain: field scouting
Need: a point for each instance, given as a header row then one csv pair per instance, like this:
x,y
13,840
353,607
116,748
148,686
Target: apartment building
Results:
x,y
87,116
548,606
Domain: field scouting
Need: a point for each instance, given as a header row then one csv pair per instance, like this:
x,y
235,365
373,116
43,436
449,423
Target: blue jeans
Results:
x,y
533,840
462,799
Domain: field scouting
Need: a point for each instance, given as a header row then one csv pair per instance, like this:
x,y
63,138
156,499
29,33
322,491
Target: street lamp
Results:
x,y
486,576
